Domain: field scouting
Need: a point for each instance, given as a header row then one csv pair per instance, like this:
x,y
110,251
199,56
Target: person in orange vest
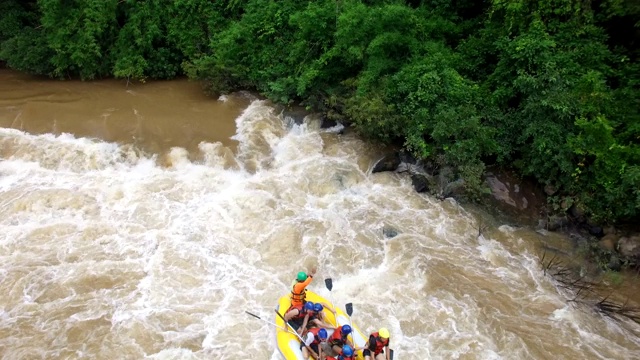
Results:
x,y
298,290
314,339
340,337
346,353
375,348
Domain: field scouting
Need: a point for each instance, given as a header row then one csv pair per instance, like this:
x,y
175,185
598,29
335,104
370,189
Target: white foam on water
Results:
x,y
107,254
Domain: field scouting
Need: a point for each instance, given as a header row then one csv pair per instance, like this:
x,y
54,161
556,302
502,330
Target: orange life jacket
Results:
x,y
298,297
299,291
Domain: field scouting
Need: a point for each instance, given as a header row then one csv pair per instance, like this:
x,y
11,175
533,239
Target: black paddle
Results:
x,y
329,283
390,354
349,308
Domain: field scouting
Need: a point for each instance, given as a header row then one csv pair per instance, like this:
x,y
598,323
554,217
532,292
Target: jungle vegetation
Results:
x,y
548,88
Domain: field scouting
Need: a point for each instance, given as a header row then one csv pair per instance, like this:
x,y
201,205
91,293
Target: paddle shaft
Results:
x,y
259,318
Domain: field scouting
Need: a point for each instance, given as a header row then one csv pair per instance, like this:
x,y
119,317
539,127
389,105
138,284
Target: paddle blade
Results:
x,y
329,283
390,354
349,308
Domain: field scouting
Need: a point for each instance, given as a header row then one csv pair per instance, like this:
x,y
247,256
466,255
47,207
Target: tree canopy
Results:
x,y
548,88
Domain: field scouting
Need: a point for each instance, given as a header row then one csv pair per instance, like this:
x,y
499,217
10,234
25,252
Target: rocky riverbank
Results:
x,y
524,202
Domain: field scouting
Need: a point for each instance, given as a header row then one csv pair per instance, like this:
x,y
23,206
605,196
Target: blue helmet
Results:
x,y
322,334
347,350
308,306
346,330
317,307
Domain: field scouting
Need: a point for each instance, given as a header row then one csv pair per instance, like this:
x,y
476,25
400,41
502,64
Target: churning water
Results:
x,y
108,252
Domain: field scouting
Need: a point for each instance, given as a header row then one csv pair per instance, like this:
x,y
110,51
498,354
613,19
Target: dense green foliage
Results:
x,y
550,88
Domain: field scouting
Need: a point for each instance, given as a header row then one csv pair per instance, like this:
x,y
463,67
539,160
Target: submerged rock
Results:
x,y
389,231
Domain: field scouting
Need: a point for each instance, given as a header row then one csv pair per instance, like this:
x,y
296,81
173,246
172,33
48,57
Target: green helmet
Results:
x,y
302,276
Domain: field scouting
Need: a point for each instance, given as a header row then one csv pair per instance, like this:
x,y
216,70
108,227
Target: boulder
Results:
x,y
629,246
407,157
555,222
420,182
519,198
615,263
500,191
579,240
454,188
609,242
566,203
609,230
577,212
596,230
327,123
550,189
296,114
389,162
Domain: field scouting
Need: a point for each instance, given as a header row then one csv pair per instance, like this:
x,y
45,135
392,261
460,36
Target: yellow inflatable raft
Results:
x,y
289,343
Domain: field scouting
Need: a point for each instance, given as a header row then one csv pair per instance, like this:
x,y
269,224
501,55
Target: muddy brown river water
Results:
x,y
154,116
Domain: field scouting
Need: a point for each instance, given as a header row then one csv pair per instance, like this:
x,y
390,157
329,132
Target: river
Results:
x,y
142,220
